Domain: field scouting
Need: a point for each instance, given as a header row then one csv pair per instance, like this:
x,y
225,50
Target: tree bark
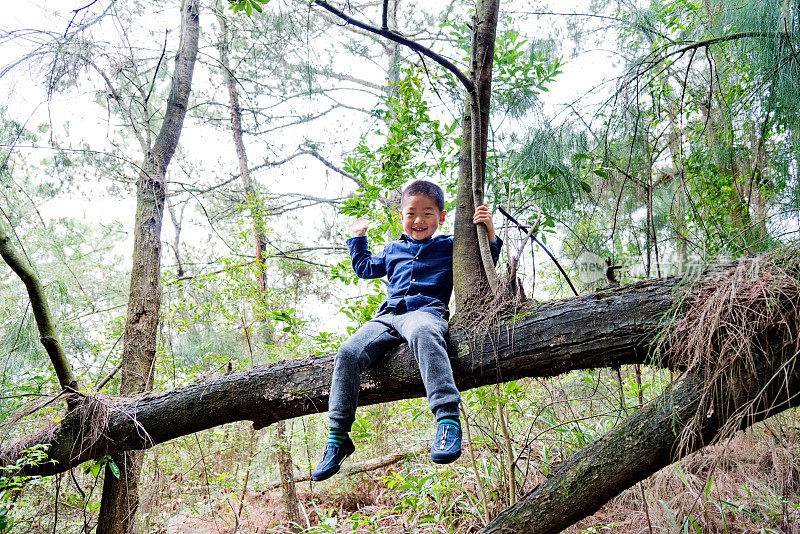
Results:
x,y
469,274
605,329
120,498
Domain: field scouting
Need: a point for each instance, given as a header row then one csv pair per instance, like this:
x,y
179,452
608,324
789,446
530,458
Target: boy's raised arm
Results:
x,y
365,264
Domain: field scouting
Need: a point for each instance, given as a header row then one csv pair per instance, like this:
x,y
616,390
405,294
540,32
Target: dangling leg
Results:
x,y
425,334
355,355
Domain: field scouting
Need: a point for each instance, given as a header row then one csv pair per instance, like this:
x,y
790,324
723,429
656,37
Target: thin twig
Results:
x,y
478,479
105,381
75,14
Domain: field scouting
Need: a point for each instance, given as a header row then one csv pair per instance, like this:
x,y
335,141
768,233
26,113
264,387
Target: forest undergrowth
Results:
x,y
220,481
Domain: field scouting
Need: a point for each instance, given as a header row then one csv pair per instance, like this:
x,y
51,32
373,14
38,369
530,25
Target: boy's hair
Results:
x,y
423,187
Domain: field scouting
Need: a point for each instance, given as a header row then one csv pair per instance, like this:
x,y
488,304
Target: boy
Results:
x,y
419,267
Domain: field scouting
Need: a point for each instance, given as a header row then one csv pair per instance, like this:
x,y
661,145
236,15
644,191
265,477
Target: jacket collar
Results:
x,y
407,239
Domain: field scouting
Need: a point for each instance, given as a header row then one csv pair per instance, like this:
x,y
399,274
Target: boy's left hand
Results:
x,y
483,215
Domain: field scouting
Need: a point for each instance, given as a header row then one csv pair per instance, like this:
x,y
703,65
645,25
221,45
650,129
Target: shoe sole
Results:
x,y
446,459
335,470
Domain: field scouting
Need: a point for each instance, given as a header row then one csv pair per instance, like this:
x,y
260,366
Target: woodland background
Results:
x,y
659,136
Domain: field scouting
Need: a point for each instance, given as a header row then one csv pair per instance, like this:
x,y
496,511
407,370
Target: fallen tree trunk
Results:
x,y
605,329
650,440
744,325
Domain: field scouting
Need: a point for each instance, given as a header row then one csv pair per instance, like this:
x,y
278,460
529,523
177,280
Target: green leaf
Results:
x,y
112,465
94,469
586,187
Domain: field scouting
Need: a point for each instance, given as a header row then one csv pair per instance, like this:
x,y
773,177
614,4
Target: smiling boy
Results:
x,y
419,268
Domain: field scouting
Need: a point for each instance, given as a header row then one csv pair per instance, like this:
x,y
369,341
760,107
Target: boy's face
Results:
x,y
420,216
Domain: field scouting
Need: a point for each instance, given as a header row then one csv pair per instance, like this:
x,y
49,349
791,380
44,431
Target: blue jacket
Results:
x,y
420,273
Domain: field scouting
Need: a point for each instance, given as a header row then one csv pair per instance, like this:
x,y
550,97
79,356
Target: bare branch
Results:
x,y
397,38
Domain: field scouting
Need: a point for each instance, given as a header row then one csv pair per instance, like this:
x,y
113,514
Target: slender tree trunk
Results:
x,y
282,444
120,498
286,472
721,132
393,73
651,223
177,223
468,271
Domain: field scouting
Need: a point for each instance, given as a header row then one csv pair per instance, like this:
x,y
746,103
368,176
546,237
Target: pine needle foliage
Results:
x,y
709,100
764,36
545,172
728,323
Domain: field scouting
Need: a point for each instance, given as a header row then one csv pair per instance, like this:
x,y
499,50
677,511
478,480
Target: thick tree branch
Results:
x,y
483,37
599,330
41,312
178,101
397,38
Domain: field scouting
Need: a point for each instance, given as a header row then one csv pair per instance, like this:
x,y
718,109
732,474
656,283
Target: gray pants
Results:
x,y
424,333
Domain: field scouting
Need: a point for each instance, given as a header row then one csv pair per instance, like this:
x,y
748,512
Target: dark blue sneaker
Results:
x,y
447,444
332,458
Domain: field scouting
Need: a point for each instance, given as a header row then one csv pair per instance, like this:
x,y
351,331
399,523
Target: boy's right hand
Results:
x,y
359,227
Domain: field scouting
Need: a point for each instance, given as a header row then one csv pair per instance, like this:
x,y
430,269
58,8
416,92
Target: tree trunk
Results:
x,y
286,472
648,441
120,496
469,276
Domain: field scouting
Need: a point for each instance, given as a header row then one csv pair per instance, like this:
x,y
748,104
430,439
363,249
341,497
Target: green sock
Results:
x,y
336,436
453,420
